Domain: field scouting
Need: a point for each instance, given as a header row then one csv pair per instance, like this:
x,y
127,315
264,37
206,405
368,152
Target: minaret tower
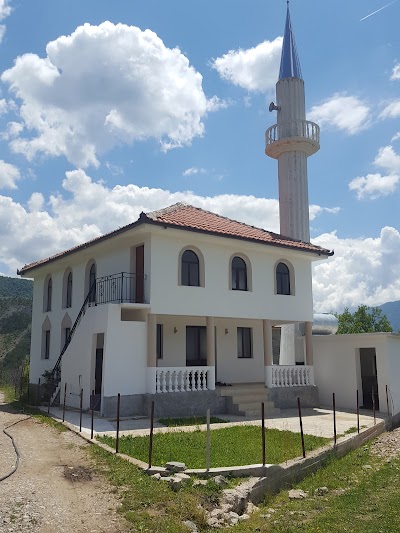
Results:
x,y
291,141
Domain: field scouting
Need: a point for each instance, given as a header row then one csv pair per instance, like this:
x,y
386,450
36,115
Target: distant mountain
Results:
x,y
392,311
14,287
15,321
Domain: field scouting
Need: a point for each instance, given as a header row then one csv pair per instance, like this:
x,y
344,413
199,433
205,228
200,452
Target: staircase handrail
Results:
x,y
76,323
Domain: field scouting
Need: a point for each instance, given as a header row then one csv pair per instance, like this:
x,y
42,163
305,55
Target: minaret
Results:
x,y
291,141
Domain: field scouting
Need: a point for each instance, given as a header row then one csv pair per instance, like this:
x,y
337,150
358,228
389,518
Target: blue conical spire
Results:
x,y
290,64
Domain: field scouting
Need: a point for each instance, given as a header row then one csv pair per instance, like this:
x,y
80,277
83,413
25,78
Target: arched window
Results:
x,y
190,271
239,274
282,279
92,283
68,294
49,294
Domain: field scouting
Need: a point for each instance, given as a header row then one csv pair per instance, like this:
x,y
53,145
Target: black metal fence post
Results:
x,y
301,428
118,409
92,414
387,401
373,404
151,433
80,412
358,414
65,396
334,419
263,431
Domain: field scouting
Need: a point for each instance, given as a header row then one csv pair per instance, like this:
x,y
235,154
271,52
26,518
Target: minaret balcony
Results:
x,y
293,136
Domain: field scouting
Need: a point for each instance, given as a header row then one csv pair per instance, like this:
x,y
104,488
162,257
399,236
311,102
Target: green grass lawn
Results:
x,y
240,445
191,421
370,502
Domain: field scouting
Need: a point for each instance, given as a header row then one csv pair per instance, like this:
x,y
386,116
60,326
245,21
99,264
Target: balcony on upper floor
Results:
x,y
120,288
295,135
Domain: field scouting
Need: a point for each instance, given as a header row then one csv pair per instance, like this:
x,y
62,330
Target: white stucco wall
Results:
x,y
393,370
337,366
229,368
125,355
215,298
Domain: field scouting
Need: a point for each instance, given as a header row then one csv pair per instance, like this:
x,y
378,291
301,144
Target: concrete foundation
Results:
x,y
286,397
173,404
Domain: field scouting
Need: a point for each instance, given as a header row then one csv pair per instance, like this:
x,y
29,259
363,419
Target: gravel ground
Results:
x,y
387,445
54,489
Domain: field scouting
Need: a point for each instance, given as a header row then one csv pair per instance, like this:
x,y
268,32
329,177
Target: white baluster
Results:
x,y
290,372
205,379
175,381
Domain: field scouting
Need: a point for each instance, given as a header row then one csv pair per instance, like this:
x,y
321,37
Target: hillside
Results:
x,y
15,287
392,311
15,320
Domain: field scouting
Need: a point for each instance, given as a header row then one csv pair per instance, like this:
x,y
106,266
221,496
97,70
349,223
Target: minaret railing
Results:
x,y
294,128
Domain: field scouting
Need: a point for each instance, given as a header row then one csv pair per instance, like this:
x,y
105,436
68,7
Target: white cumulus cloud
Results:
x,y
362,271
392,110
193,170
9,174
254,69
341,111
395,72
376,185
102,86
85,209
5,11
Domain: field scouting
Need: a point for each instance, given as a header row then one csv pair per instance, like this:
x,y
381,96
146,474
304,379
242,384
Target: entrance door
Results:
x,y
98,379
196,346
139,274
369,377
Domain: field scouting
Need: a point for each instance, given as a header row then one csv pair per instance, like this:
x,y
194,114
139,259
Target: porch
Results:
x,y
191,354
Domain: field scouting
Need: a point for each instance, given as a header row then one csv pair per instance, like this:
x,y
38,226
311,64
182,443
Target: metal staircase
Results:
x,y
53,387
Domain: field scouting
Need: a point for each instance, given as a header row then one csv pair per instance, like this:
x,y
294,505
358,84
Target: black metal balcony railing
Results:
x,y
119,288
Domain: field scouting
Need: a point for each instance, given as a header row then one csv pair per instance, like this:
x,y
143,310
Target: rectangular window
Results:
x,y
160,341
244,343
46,344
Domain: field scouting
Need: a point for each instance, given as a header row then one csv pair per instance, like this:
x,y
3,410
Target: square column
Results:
x,y
151,353
309,355
268,352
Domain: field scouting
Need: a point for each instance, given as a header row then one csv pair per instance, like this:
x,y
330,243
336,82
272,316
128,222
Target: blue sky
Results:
x,y
101,121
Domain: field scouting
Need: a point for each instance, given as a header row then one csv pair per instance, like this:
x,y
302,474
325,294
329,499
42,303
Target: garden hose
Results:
x,y
15,467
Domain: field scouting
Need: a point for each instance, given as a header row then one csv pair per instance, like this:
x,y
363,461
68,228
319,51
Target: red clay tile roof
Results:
x,y
186,217
193,218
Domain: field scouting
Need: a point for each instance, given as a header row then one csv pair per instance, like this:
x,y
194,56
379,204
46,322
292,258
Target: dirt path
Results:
x,y
54,489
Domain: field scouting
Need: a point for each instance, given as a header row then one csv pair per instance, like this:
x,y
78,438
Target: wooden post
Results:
x,y
118,409
301,428
151,433
65,396
263,432
358,414
334,419
80,414
208,442
48,407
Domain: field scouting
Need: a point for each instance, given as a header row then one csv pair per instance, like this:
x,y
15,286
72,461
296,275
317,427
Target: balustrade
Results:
x,y
183,379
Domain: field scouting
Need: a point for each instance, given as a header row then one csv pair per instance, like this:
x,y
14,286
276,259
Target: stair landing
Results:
x,y
246,398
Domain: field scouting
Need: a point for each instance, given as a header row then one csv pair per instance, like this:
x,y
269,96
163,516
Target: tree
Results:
x,y
364,320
